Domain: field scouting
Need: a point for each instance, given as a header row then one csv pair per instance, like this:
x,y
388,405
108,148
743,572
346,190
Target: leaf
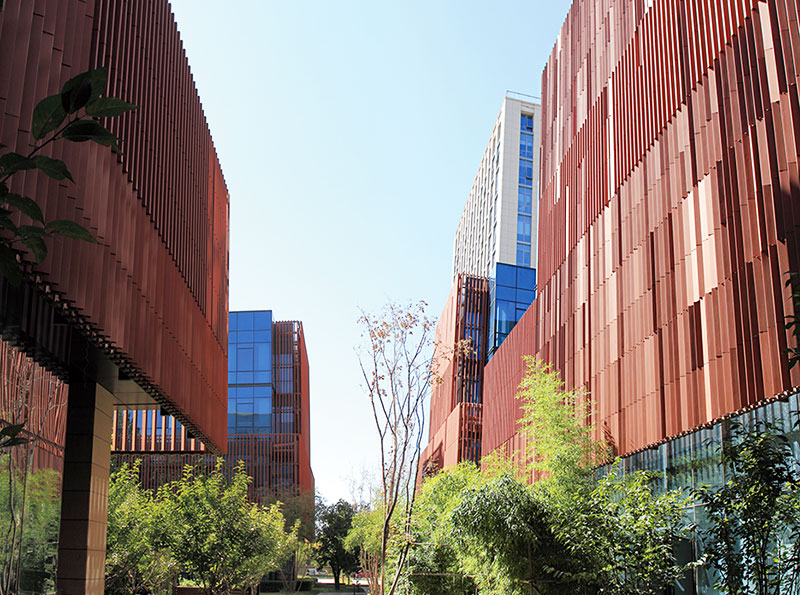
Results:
x,y
104,107
83,88
47,116
70,229
99,79
24,205
9,267
31,231
37,246
55,168
12,430
6,223
13,442
12,162
76,93
83,130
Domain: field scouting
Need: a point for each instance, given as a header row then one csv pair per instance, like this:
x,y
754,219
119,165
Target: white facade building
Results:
x,y
499,222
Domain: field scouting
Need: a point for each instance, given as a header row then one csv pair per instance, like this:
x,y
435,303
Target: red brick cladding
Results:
x,y
155,289
670,142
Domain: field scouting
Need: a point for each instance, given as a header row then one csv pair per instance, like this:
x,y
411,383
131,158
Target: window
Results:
x,y
245,322
523,255
526,122
526,145
526,172
262,321
263,353
524,200
244,358
524,230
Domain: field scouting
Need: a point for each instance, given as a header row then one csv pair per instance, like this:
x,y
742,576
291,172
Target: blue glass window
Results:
x,y
245,337
506,293
233,319
262,423
262,321
244,378
526,145
244,358
524,229
261,336
262,356
523,255
526,278
245,321
506,275
525,200
524,296
262,377
526,122
525,172
506,316
232,360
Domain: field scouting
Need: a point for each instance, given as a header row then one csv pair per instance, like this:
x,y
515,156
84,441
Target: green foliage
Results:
x,y
433,567
70,115
568,533
618,535
504,537
333,525
30,521
10,436
753,532
366,538
621,536
792,321
219,539
137,553
556,424
293,554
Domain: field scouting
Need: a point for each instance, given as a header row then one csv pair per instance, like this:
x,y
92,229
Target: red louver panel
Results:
x,y
154,290
456,409
279,463
670,142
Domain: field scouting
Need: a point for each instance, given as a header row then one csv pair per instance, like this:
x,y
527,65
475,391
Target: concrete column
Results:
x,y
84,504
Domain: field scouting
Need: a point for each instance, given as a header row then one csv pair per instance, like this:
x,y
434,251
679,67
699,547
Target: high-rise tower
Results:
x,y
496,236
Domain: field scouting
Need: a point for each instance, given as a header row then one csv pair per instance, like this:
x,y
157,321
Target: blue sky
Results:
x,y
349,134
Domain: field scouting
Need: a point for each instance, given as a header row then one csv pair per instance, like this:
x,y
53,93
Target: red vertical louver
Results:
x,y
152,294
669,182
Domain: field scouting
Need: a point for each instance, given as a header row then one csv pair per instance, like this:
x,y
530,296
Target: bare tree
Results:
x,y
397,363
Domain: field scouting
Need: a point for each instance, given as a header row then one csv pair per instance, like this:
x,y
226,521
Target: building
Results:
x,y
456,396
268,416
138,319
669,176
494,280
496,235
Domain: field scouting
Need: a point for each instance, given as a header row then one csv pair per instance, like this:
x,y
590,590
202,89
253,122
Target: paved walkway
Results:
x,y
345,589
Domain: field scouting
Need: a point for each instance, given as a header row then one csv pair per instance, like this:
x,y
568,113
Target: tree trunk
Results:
x,y
336,572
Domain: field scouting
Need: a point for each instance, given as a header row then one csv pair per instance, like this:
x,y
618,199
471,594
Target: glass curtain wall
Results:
x,y
693,460
30,473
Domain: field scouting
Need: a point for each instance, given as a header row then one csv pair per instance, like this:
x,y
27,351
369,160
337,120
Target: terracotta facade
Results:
x,y
670,143
456,396
151,295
